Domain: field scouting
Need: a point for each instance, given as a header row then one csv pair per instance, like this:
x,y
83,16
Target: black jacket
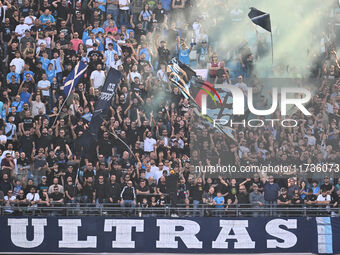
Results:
x,y
128,193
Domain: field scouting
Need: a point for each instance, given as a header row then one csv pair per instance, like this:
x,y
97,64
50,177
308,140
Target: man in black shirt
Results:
x,y
57,198
171,183
283,200
113,190
142,191
159,15
63,10
139,31
102,171
26,142
70,172
100,194
88,192
196,194
88,171
163,53
105,146
128,197
327,186
70,190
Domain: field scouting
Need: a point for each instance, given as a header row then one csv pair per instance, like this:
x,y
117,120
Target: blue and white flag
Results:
x,y
73,78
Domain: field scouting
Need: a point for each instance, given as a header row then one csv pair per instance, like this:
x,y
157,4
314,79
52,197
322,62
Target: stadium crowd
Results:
x,y
43,164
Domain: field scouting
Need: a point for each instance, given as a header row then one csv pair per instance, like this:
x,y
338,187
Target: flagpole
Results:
x,y
271,39
60,109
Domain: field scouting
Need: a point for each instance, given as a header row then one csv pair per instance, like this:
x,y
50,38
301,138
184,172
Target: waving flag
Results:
x,y
175,71
262,19
102,105
73,78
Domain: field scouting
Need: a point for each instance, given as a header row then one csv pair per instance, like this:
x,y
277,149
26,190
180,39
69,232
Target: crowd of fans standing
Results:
x,y
42,161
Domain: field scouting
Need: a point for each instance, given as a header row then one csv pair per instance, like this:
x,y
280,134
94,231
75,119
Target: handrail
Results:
x,y
166,210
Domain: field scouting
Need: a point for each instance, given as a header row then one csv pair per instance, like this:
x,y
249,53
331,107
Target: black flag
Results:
x,y
102,105
260,18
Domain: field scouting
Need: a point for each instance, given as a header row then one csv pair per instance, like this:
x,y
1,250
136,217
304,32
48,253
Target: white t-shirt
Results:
x,y
114,64
19,64
10,128
321,198
3,139
29,20
43,85
98,78
148,144
36,106
124,2
135,74
91,42
20,29
33,197
158,174
311,140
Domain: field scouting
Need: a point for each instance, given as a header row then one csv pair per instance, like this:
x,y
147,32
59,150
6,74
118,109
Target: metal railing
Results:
x,y
110,209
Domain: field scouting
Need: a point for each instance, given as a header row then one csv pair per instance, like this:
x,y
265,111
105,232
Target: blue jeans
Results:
x,y
272,205
219,211
123,18
197,208
128,203
114,14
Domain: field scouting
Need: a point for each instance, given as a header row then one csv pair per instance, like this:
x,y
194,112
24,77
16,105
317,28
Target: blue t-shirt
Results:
x,y
184,56
146,52
43,18
27,72
85,36
25,96
18,105
102,7
166,4
100,46
50,74
219,201
1,108
97,30
56,65
9,75
45,63
316,190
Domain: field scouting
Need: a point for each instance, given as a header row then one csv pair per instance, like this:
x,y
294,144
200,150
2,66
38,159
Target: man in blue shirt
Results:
x,y
57,63
47,17
219,203
97,29
183,52
13,73
24,94
271,192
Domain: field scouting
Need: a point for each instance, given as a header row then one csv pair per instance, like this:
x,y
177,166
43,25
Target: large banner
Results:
x,y
190,235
